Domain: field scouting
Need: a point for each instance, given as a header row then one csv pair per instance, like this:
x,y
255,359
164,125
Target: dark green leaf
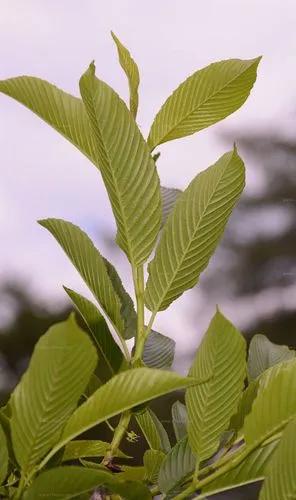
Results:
x,y
159,351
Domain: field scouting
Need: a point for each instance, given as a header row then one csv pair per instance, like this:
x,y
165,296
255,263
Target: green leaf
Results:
x,y
153,430
179,419
90,265
222,353
152,461
244,407
252,469
177,465
206,97
60,368
124,391
275,404
169,197
110,355
3,456
88,448
263,354
193,230
64,112
159,350
127,306
280,480
127,168
131,70
66,482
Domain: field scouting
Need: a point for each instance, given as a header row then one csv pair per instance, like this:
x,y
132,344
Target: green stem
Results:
x,y
138,275
20,488
118,436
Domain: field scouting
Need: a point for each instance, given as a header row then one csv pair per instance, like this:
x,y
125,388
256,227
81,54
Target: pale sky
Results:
x,y
42,175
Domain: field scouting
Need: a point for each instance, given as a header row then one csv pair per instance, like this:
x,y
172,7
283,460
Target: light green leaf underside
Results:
x,y
88,448
127,168
60,368
177,465
3,456
110,355
263,354
159,350
210,406
127,306
122,392
280,480
90,265
64,112
153,430
169,197
131,70
152,461
193,230
252,469
179,420
275,404
206,97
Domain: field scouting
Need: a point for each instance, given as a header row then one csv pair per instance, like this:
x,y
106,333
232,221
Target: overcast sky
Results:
x,y
42,175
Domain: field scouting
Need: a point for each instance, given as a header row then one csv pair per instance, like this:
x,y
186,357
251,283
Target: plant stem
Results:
x,y
138,275
118,436
20,488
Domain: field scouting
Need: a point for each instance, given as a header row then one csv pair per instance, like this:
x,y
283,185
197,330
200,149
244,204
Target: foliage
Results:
x,y
230,431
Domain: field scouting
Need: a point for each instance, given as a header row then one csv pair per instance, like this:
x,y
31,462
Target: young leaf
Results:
x,y
193,230
252,469
91,266
47,395
275,404
127,168
206,97
152,461
131,70
153,430
110,355
124,391
179,419
127,306
244,407
64,112
177,465
263,354
280,482
210,406
3,456
159,351
169,197
88,448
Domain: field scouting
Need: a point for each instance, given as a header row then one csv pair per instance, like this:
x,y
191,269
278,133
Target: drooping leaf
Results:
x,y
47,395
244,407
177,465
110,355
64,112
152,461
127,306
263,354
193,230
280,480
127,168
159,350
275,404
222,353
206,97
169,197
153,430
252,469
90,265
88,448
124,391
3,456
131,70
179,419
